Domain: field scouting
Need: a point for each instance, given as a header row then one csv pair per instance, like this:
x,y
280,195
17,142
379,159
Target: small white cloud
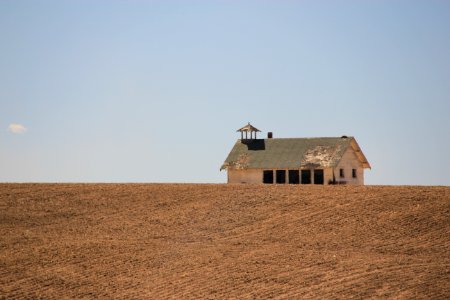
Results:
x,y
17,128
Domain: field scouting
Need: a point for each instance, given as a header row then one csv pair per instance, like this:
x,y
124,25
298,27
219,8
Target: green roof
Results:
x,y
287,153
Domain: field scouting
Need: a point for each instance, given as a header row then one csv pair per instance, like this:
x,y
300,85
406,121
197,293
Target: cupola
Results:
x,y
248,129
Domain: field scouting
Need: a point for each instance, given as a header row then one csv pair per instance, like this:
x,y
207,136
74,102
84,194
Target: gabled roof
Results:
x,y
287,153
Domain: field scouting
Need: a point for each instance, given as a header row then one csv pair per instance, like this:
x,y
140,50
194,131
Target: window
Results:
x,y
306,176
294,177
268,176
341,173
318,176
281,176
354,173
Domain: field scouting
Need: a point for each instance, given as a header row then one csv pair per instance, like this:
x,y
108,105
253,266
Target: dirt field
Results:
x,y
164,241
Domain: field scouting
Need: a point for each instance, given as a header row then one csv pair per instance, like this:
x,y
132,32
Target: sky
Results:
x,y
154,91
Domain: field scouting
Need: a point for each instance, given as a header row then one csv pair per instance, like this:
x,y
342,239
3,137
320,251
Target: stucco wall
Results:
x,y
348,162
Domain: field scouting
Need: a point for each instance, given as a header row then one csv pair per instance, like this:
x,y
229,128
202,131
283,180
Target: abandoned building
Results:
x,y
324,160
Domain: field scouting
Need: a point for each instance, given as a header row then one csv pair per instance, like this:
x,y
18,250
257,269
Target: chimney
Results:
x,y
270,135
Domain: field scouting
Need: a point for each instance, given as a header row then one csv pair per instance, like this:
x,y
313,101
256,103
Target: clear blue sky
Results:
x,y
153,91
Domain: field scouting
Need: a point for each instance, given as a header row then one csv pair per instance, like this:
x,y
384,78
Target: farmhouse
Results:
x,y
324,160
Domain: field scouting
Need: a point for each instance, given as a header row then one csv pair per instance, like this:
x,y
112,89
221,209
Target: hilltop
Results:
x,y
223,241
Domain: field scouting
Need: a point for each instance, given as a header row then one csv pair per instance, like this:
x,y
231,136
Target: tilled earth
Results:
x,y
186,241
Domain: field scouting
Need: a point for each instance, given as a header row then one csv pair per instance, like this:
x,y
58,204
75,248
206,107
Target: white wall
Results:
x,y
348,162
245,176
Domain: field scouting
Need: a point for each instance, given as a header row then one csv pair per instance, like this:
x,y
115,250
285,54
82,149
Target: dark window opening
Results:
x,y
268,176
341,173
306,176
281,176
318,176
294,177
354,173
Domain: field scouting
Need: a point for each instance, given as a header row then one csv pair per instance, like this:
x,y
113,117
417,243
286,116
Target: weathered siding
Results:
x,y
328,175
348,162
245,176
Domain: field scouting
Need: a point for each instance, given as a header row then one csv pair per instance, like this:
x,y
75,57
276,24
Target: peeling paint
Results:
x,y
240,164
322,156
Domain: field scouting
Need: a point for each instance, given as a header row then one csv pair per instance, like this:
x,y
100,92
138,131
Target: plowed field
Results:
x,y
182,241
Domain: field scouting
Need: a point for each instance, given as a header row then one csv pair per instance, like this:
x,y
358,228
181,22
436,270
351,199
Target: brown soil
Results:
x,y
223,241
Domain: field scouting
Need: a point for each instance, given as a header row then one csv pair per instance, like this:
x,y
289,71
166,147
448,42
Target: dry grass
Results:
x,y
223,241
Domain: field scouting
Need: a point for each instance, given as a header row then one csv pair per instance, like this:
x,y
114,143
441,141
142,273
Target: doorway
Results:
x,y
318,176
306,176
294,176
268,176
281,176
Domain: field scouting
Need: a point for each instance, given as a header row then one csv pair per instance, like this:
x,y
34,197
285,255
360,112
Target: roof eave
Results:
x,y
362,158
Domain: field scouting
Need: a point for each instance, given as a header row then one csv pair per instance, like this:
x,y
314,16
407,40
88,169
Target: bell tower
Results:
x,y
248,129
